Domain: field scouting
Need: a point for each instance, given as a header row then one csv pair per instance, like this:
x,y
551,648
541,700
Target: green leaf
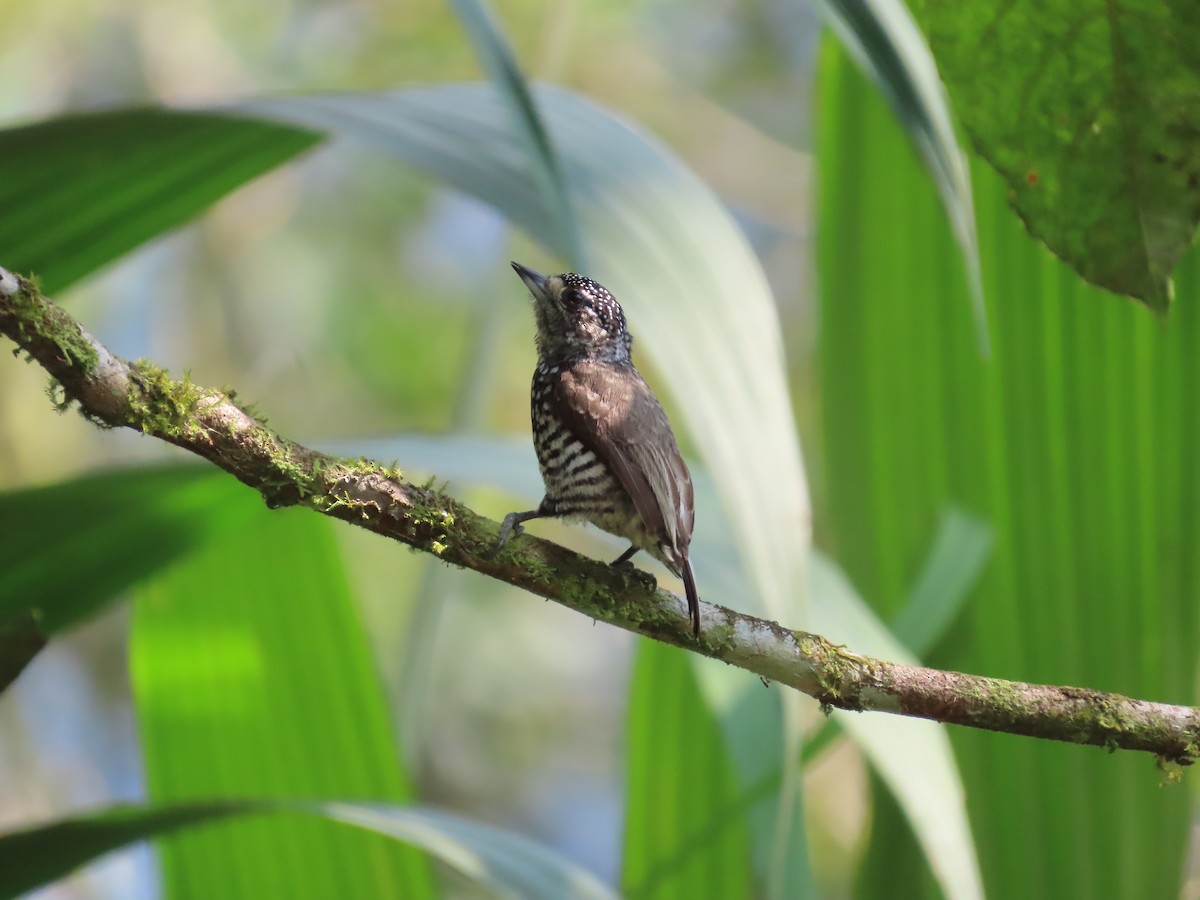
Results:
x,y
35,857
884,40
1089,113
81,190
495,859
21,639
252,676
1071,444
498,60
960,551
683,836
81,542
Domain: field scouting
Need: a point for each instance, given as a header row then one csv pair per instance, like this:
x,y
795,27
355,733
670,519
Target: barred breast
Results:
x,y
578,483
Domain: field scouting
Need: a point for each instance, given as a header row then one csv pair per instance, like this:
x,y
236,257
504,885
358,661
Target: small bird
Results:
x,y
603,442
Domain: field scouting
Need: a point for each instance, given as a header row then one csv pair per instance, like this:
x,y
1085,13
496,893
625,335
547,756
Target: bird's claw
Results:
x,y
510,526
641,576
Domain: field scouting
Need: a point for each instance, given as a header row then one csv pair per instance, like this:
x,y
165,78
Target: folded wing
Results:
x,y
620,420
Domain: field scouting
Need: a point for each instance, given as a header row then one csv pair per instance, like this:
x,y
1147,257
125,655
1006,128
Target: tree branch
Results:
x,y
207,422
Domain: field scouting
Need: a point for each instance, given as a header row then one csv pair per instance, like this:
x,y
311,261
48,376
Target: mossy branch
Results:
x,y
209,423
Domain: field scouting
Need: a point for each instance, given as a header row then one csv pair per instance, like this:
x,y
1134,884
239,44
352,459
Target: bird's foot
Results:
x,y
623,565
510,526
633,574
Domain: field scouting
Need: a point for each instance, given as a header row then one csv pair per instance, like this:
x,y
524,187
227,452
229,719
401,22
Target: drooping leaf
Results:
x,y
495,859
498,61
81,190
884,40
35,857
1090,113
252,677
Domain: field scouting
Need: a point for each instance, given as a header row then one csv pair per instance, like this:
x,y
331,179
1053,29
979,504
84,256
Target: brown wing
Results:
x,y
616,415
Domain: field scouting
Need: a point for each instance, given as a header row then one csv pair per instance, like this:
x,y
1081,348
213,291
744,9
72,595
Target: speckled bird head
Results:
x,y
576,318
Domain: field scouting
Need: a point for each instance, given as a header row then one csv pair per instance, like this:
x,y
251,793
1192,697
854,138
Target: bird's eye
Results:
x,y
571,298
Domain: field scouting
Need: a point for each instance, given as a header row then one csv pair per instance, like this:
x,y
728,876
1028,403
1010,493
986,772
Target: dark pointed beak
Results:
x,y
535,281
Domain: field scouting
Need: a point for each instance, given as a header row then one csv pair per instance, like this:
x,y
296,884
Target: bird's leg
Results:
x,y
641,576
626,556
512,524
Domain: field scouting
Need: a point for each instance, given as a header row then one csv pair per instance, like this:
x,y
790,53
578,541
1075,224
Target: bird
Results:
x,y
604,446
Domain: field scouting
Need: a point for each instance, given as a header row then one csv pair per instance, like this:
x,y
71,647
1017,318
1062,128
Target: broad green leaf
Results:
x,y
1071,444
81,190
1089,111
81,542
884,40
252,676
683,835
503,862
960,550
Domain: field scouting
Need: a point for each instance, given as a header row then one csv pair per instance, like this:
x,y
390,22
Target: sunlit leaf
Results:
x,y
253,677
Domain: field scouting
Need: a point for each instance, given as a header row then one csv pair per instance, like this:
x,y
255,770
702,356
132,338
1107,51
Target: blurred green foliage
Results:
x,y
347,297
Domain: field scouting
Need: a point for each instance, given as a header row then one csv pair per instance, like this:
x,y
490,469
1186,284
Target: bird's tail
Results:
x,y
693,596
